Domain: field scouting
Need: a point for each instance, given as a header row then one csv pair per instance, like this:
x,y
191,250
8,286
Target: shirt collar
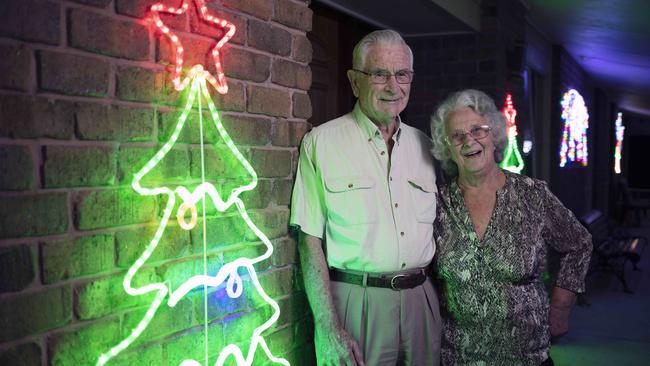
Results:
x,y
370,129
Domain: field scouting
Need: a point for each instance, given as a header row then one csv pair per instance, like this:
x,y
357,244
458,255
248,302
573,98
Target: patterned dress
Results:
x,y
494,303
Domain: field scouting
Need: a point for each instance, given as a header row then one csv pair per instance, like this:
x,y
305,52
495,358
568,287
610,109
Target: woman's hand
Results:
x,y
561,302
335,347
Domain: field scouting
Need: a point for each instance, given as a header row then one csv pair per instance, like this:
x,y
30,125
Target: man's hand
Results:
x,y
335,347
561,302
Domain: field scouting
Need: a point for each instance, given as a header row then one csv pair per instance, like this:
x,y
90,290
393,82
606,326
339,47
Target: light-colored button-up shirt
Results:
x,y
374,210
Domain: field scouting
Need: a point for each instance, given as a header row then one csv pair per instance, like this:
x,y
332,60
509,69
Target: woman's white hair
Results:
x,y
481,104
384,37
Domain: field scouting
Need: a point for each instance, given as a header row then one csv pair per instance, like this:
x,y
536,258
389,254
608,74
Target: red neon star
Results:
x,y
197,70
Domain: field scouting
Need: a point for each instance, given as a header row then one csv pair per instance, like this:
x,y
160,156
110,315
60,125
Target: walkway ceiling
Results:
x,y
610,39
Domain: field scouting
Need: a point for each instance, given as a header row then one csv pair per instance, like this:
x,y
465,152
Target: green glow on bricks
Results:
x,y
228,273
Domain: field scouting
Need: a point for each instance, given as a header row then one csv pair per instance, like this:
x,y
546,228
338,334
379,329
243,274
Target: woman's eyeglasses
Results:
x,y
477,133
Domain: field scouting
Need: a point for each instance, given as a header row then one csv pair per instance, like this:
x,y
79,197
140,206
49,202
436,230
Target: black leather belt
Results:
x,y
393,281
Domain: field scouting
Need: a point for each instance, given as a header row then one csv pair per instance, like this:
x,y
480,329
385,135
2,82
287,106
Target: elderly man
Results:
x,y
364,203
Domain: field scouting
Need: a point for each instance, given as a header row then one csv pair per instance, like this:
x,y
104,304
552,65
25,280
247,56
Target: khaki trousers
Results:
x,y
392,327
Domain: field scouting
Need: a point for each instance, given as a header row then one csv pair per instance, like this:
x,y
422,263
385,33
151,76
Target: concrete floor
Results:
x,y
614,327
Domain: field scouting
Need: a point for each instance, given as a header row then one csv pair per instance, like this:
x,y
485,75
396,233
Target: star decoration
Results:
x,y
219,82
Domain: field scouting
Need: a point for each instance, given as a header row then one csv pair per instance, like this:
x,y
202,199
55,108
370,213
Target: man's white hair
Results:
x,y
383,37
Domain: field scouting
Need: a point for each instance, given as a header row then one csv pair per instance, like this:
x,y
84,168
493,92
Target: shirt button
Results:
x,y
383,152
390,178
370,140
402,233
396,205
350,185
403,265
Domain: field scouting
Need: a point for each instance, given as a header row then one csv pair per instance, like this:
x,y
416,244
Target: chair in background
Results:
x,y
631,201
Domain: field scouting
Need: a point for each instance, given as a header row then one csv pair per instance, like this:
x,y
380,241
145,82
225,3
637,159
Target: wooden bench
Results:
x,y
614,247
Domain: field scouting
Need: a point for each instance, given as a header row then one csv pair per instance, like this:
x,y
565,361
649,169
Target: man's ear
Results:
x,y
353,83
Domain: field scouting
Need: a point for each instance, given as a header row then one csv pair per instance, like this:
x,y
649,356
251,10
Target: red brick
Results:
x,y
113,207
197,51
270,38
220,163
107,296
282,189
243,64
220,232
140,84
234,100
260,197
140,9
33,117
73,74
167,321
271,163
285,252
83,344
189,345
16,64
16,268
33,215
73,166
280,340
190,133
302,50
243,130
301,105
175,243
30,20
27,354
75,257
291,74
100,34
200,26
97,3
259,8
16,168
247,130
151,355
269,101
34,313
277,282
112,123
293,14
173,168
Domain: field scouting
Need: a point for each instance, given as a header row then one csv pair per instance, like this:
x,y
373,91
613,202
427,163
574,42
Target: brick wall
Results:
x,y
85,101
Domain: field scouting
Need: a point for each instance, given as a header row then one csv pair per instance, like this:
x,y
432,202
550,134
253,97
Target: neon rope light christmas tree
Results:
x,y
512,160
574,135
618,150
228,274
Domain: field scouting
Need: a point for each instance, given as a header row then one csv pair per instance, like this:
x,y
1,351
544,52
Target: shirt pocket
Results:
x,y
423,194
351,200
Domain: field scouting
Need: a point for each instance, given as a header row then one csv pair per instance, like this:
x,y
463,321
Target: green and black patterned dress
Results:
x,y
494,303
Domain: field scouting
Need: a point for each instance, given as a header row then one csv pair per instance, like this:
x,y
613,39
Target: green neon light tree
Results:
x,y
512,160
234,275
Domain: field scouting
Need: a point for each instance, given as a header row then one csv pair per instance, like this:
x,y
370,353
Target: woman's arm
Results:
x,y
564,233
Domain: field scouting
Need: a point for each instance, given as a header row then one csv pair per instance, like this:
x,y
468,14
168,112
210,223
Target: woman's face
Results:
x,y
472,155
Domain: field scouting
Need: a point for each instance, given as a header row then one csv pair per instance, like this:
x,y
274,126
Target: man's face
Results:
x,y
382,102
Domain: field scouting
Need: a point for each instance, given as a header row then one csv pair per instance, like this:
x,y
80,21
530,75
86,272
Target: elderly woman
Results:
x,y
493,230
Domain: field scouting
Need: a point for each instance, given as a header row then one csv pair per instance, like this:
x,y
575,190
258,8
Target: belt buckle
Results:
x,y
392,281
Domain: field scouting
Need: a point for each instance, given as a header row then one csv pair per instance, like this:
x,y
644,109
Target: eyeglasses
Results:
x,y
382,76
477,132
